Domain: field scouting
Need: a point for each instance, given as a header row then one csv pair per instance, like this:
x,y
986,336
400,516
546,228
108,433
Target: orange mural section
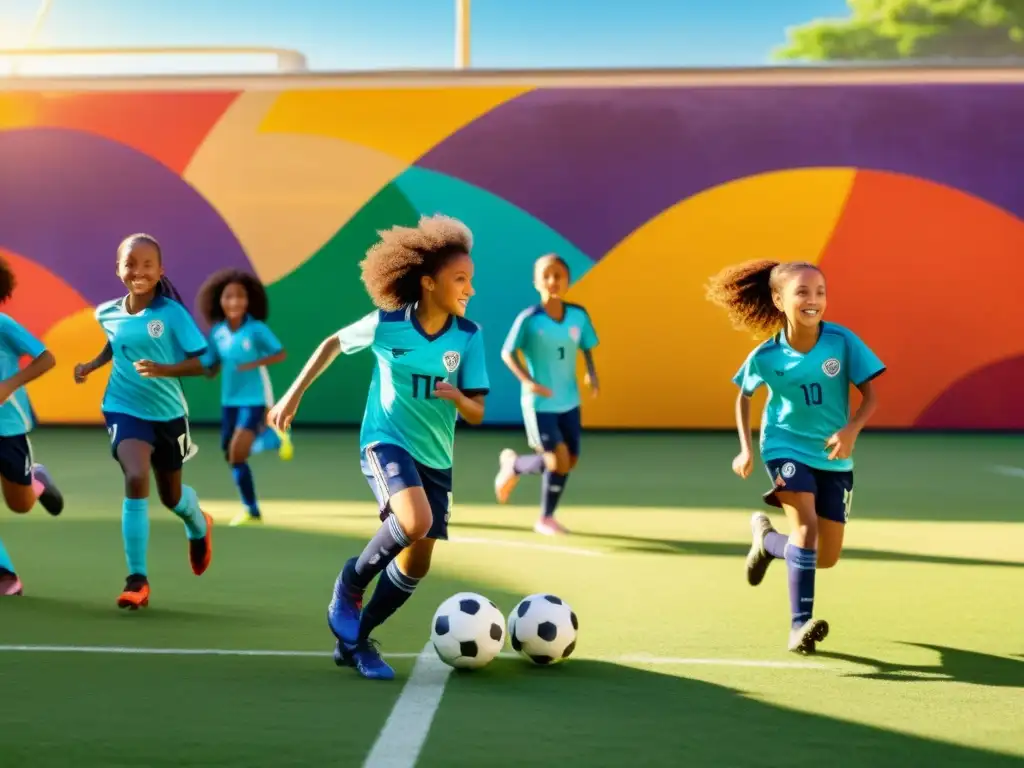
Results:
x,y
918,271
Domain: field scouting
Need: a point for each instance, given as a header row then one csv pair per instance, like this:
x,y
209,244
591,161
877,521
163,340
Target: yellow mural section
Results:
x,y
55,397
283,195
403,123
673,355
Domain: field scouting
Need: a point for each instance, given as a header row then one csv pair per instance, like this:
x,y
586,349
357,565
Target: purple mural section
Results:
x,y
86,193
595,164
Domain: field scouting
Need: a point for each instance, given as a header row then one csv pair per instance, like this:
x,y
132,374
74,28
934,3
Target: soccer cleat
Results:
x,y
758,559
368,661
287,449
548,526
51,498
135,594
344,612
10,584
244,518
200,551
506,480
805,639
342,656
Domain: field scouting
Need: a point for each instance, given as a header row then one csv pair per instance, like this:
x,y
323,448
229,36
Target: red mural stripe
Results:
x,y
41,299
168,127
927,276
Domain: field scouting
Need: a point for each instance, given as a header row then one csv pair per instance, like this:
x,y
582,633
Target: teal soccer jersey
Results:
x,y
808,394
550,348
163,332
401,408
252,341
15,343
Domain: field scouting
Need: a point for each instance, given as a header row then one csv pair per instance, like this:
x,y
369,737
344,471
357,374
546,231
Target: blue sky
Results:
x,y
384,34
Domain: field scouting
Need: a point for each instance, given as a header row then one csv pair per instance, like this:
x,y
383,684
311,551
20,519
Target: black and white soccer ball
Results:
x,y
543,628
468,631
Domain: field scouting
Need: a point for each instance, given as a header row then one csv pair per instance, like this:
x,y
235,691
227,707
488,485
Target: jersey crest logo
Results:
x,y
574,333
155,328
788,470
451,361
246,345
831,367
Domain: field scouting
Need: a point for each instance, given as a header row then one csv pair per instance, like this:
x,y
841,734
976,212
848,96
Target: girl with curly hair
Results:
x,y
241,347
429,370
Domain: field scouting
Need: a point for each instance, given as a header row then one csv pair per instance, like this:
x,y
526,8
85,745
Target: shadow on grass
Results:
x,y
600,714
955,665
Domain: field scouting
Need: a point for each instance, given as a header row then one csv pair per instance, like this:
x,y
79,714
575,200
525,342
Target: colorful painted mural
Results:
x,y
908,196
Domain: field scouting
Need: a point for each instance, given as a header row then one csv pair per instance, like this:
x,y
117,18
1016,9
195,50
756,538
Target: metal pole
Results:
x,y
41,13
462,34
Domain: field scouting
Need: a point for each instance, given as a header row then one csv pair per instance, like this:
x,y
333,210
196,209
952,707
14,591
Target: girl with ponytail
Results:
x,y
152,340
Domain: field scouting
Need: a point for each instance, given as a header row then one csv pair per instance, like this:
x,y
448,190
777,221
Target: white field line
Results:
x,y
1000,469
402,738
633,658
526,545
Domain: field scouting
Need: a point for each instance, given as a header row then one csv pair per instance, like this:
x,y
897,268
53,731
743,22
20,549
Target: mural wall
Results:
x,y
908,196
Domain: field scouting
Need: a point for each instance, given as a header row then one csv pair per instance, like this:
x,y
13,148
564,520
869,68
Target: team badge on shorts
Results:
x,y
831,367
155,328
451,361
788,470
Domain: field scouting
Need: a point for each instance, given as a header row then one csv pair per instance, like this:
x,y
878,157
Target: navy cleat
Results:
x,y
342,656
51,498
805,639
369,663
344,611
758,559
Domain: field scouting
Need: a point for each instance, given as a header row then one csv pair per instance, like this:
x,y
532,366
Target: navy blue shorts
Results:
x,y
390,469
232,417
547,430
16,459
833,491
171,440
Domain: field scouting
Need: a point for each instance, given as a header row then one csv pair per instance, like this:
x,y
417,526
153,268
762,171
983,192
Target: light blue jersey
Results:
x,y
252,341
550,348
15,343
808,394
401,408
163,332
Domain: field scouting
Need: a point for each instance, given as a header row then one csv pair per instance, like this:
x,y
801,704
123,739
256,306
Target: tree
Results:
x,y
912,29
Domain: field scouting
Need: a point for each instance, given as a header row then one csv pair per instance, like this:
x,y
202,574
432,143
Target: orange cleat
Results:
x,y
200,551
136,593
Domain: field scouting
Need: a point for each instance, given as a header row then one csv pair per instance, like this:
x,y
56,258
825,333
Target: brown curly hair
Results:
x,y
208,297
745,291
7,280
393,268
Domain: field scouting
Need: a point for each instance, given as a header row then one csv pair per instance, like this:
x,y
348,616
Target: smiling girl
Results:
x,y
807,434
429,370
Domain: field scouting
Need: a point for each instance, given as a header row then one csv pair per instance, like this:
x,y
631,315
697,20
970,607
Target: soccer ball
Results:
x,y
543,628
468,631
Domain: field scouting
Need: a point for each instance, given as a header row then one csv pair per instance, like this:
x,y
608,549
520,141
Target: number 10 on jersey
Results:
x,y
812,393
